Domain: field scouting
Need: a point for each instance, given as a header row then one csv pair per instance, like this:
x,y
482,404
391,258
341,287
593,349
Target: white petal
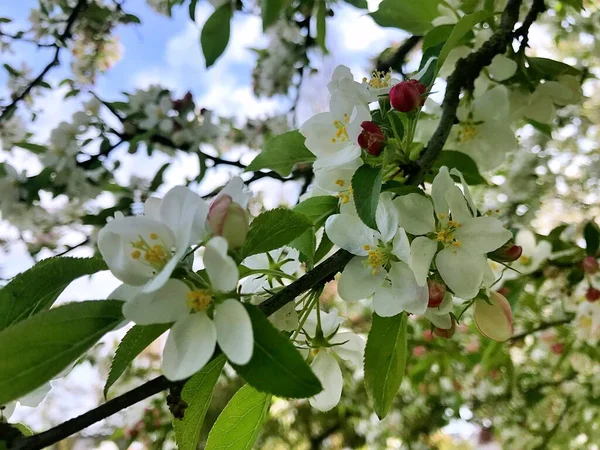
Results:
x,y
458,205
441,184
492,105
165,305
461,271
466,191
415,214
124,292
358,280
352,348
502,68
350,233
422,251
115,244
220,267
482,234
386,217
338,157
328,371
161,278
238,192
152,208
190,345
336,178
234,331
526,239
185,212
8,409
401,246
443,321
407,293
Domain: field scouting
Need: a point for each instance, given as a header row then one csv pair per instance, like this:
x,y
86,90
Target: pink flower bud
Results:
x,y
592,294
419,351
509,252
228,219
446,333
557,348
405,97
494,319
590,265
428,335
371,138
437,291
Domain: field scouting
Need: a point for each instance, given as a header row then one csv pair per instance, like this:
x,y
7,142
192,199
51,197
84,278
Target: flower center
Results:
x,y
345,196
525,260
341,134
155,255
379,79
377,258
585,322
466,133
198,300
445,234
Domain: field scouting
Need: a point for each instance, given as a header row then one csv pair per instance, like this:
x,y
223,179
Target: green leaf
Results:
x,y
385,360
270,11
362,4
591,233
281,154
462,27
549,69
197,393
158,178
410,15
401,189
276,366
215,33
35,148
273,229
37,349
366,184
192,10
36,289
321,24
239,424
460,161
306,244
318,209
134,342
324,248
437,35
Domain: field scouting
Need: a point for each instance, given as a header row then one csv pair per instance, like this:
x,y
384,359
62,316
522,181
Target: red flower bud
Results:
x,y
557,348
590,265
405,96
228,219
441,332
437,291
592,294
371,138
503,291
421,88
509,252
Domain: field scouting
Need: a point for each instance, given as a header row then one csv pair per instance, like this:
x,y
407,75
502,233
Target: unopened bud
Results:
x,y
503,291
592,294
371,138
419,351
421,88
494,319
437,291
509,252
446,333
405,97
557,348
590,265
228,219
428,335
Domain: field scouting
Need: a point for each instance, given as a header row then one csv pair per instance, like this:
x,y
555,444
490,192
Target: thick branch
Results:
x,y
398,58
538,7
316,277
466,71
66,34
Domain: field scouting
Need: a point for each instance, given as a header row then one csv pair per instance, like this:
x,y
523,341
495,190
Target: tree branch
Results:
x,y
398,58
538,7
543,326
66,34
316,277
466,71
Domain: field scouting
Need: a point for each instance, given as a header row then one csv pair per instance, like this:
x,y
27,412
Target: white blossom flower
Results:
x,y
440,315
337,179
533,256
587,322
157,115
343,85
484,132
332,136
12,130
345,344
202,318
502,68
466,239
381,265
146,249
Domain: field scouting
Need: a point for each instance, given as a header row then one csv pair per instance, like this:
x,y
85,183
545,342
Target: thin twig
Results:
x,y
543,326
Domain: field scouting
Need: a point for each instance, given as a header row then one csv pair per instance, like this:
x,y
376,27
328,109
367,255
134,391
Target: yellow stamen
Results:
x,y
156,254
198,300
340,183
341,133
136,254
442,215
467,132
379,79
525,260
366,247
153,236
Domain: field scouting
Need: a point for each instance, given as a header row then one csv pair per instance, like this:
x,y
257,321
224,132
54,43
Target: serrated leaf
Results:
x,y
270,11
276,366
460,161
282,153
385,360
412,16
37,349
318,209
215,33
306,244
366,185
591,234
274,229
37,288
239,424
134,342
197,393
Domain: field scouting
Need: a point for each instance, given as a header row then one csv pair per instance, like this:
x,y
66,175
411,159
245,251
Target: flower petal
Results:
x,y
422,251
401,246
443,321
328,371
220,267
461,271
458,205
358,280
494,320
185,212
441,184
238,192
415,214
352,348
482,234
350,233
190,345
407,293
234,331
165,305
386,217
